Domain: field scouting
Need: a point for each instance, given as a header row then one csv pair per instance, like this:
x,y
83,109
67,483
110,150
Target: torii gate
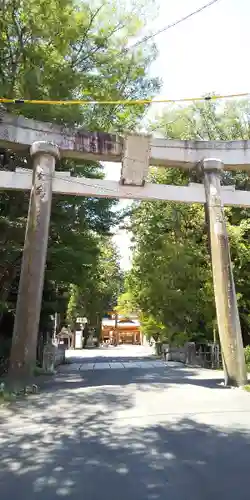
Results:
x,y
48,142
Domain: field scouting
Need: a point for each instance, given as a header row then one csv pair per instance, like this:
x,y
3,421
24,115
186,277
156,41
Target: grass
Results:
x,y
40,371
12,392
7,397
247,388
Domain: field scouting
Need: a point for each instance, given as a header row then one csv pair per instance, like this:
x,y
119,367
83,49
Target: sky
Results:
x,y
207,53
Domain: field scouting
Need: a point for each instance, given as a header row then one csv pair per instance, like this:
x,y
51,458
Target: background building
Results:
x,y
120,330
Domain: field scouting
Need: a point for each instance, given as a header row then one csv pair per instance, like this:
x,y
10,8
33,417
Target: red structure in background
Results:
x,y
120,330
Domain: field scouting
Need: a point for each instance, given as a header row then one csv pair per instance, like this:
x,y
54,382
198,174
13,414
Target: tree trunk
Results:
x,y
98,328
85,336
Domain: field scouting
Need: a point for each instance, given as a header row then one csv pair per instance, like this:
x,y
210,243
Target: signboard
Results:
x,y
78,339
81,320
96,143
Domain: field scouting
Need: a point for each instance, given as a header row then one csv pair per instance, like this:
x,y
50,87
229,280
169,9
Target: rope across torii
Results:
x,y
48,142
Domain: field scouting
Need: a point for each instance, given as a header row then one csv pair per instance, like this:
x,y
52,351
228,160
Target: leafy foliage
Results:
x,y
247,355
98,293
63,49
125,304
171,279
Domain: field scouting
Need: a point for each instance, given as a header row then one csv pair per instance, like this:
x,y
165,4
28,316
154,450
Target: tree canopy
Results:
x,y
67,49
171,279
98,293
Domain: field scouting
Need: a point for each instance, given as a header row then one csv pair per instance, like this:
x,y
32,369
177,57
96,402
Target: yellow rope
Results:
x,y
127,102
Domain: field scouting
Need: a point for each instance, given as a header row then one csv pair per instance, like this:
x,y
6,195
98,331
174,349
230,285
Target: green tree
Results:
x,y
126,304
98,293
171,281
171,277
64,49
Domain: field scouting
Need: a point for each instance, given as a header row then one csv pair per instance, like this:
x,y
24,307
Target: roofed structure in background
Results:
x,y
121,329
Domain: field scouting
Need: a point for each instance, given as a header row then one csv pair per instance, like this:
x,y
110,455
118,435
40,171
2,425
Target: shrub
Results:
x,y
247,355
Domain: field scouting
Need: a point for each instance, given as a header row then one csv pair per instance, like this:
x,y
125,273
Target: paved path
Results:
x,y
113,358
135,433
115,365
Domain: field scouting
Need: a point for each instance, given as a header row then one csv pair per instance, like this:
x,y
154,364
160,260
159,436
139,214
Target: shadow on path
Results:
x,y
70,448
96,435
142,377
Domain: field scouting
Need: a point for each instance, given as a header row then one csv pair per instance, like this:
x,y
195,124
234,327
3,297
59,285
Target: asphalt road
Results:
x,y
139,433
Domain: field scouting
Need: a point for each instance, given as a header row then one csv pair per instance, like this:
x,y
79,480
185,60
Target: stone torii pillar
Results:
x,y
24,342
224,288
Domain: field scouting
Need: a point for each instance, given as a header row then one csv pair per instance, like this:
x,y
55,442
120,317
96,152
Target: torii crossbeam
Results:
x,y
19,133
